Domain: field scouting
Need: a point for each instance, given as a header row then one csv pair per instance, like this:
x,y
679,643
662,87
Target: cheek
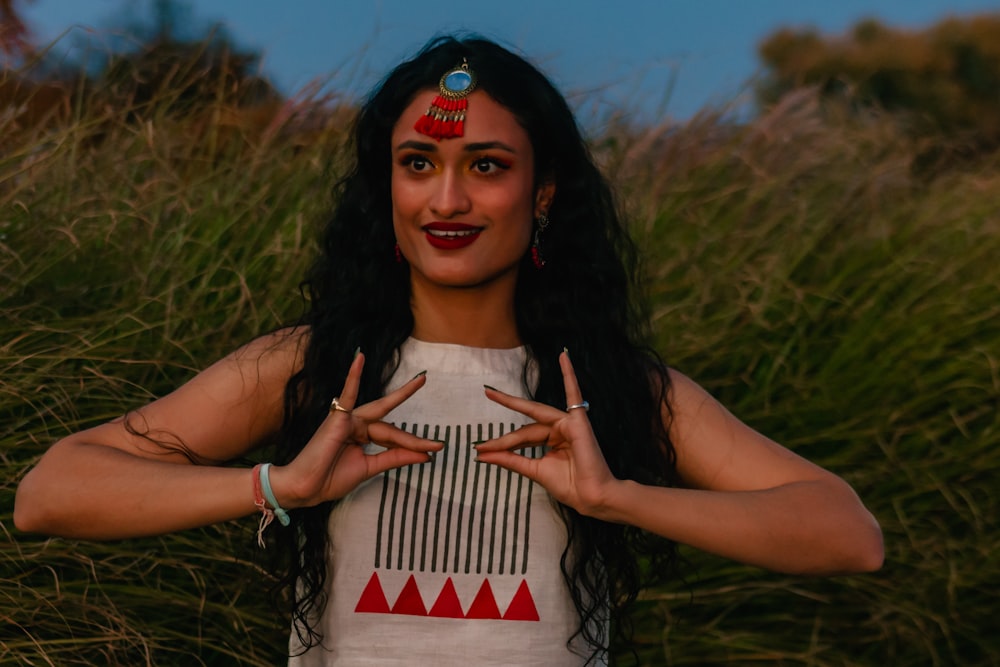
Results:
x,y
404,200
518,208
520,223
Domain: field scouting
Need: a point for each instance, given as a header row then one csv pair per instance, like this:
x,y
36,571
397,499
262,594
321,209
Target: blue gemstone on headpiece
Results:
x,y
458,81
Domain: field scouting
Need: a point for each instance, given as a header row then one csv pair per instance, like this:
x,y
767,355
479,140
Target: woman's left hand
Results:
x,y
573,470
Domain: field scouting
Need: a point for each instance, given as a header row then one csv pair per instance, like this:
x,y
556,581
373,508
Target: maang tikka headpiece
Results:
x,y
446,116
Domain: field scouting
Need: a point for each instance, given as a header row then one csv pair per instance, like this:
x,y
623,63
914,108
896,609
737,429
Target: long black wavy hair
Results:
x,y
583,299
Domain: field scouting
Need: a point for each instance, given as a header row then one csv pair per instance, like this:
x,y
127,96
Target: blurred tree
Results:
x,y
24,102
945,79
153,59
179,70
14,34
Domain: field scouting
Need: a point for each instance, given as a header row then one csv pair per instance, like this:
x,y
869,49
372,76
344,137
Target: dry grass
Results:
x,y
798,268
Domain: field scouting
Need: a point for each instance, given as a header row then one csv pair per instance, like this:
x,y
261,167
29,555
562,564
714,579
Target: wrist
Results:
x,y
610,506
288,490
607,507
267,490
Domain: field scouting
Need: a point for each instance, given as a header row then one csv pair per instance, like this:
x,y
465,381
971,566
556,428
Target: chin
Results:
x,y
471,279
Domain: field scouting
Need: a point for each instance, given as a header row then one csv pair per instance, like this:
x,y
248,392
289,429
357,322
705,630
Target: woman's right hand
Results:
x,y
113,482
334,461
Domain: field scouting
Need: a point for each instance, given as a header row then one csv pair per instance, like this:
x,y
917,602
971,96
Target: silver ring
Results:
x,y
585,405
335,406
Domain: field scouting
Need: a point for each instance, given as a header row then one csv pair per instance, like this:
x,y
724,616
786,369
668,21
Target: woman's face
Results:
x,y
463,208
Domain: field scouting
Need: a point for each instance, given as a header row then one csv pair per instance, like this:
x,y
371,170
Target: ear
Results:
x,y
544,194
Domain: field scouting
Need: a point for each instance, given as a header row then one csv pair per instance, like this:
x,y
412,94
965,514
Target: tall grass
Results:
x,y
804,271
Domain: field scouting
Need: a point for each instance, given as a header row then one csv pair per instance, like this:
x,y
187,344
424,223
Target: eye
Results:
x,y
489,165
416,162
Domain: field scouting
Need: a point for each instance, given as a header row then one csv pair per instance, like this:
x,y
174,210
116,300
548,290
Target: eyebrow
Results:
x,y
468,148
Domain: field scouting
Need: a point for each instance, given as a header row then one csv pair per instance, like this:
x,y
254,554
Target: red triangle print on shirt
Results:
x,y
373,598
447,604
485,605
522,607
409,601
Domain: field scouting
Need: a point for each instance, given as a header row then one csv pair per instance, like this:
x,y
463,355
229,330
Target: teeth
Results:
x,y
441,234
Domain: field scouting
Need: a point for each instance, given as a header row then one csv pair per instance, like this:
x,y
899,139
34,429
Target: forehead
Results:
x,y
485,120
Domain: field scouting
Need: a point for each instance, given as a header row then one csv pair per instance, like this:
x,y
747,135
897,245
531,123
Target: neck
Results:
x,y
481,316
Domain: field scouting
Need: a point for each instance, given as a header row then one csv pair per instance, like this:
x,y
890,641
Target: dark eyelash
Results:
x,y
502,164
409,159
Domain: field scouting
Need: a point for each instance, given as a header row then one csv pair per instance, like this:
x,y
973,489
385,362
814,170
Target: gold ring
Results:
x,y
585,405
335,406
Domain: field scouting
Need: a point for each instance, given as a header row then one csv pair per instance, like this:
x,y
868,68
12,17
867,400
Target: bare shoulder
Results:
x,y
256,373
279,352
715,450
223,412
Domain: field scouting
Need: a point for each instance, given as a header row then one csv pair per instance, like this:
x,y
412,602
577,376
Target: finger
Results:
x,y
380,407
522,465
349,395
573,395
387,435
530,435
539,412
394,458
332,429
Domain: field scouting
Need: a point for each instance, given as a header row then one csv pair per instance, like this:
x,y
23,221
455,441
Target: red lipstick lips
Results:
x,y
451,235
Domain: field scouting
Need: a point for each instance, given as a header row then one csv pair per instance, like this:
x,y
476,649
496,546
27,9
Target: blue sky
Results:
x,y
661,58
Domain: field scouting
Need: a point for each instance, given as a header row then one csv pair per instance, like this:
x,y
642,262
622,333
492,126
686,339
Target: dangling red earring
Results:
x,y
536,245
399,254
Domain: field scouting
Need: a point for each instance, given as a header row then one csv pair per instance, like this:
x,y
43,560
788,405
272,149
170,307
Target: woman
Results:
x,y
474,289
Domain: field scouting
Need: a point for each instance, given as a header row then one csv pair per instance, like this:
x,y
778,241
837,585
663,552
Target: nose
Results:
x,y
450,196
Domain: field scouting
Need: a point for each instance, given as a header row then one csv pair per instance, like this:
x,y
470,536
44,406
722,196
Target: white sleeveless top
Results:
x,y
449,562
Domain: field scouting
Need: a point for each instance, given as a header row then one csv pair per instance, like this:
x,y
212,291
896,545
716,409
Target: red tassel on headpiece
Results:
x,y
446,116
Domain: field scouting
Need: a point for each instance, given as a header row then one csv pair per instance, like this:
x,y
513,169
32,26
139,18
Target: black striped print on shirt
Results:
x,y
454,515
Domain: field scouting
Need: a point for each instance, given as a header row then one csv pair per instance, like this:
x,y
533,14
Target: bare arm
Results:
x,y
109,483
748,498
